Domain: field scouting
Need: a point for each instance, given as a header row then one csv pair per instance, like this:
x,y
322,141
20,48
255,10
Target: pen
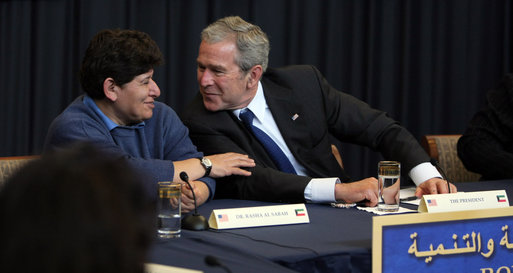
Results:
x,y
411,198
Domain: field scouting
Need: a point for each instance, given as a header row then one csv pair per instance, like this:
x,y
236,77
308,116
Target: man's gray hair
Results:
x,y
252,42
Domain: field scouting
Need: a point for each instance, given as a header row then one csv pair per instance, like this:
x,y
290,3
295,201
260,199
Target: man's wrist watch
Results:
x,y
207,164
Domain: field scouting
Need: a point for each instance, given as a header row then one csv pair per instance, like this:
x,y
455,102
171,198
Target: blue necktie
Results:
x,y
277,155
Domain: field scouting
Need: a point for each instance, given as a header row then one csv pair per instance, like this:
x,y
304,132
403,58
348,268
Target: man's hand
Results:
x,y
434,186
229,164
364,190
202,193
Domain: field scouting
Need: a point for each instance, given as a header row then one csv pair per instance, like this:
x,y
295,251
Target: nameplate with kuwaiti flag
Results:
x,y
258,216
463,201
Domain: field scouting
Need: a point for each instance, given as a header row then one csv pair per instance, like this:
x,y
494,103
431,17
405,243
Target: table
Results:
x,y
335,240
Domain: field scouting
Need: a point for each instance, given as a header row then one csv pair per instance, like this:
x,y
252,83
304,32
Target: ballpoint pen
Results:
x,y
411,198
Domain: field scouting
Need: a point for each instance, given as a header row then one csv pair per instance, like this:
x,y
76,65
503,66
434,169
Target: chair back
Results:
x,y
443,149
337,155
9,165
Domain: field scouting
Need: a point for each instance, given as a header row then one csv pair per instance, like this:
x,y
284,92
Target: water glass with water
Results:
x,y
169,209
389,174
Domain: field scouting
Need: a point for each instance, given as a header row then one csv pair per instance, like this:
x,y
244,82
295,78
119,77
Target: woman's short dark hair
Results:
x,y
119,54
77,210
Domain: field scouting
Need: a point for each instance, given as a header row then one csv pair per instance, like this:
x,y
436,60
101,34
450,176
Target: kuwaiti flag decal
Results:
x,y
300,212
501,198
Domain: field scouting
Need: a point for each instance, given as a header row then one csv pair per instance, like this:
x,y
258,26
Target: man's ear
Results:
x,y
110,89
254,75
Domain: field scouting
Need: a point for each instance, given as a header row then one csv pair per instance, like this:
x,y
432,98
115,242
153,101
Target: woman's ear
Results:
x,y
110,89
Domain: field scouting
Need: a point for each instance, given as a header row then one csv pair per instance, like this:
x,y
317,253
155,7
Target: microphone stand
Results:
x,y
434,162
193,221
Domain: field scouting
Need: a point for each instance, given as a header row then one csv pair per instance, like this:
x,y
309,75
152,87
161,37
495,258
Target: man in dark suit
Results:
x,y
486,147
300,112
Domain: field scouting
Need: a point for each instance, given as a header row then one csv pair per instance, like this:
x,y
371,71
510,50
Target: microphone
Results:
x,y
193,221
435,163
213,261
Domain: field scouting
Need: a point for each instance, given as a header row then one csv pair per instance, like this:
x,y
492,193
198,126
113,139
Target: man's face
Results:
x,y
222,83
135,100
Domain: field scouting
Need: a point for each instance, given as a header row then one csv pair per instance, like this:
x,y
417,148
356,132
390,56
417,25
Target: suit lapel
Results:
x,y
288,115
294,124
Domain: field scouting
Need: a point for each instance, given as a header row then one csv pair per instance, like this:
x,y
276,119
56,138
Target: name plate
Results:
x,y
258,216
463,201
464,241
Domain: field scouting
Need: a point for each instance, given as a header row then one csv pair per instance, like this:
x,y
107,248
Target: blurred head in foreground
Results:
x,y
76,210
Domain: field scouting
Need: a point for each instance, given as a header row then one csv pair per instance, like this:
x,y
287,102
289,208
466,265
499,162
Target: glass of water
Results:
x,y
389,174
169,209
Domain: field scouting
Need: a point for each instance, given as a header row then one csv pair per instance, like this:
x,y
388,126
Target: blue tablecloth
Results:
x,y
335,240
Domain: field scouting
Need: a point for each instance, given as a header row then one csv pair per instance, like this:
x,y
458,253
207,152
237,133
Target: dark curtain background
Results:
x,y
426,62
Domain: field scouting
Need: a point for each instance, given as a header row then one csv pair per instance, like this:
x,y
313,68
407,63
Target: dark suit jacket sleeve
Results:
x,y
220,132
486,147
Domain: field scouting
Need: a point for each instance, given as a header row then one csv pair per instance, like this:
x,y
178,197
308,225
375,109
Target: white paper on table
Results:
x,y
376,211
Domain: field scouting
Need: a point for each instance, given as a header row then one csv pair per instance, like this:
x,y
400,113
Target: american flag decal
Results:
x,y
222,218
431,203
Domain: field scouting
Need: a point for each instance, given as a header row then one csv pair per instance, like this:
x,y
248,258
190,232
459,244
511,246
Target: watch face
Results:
x,y
207,162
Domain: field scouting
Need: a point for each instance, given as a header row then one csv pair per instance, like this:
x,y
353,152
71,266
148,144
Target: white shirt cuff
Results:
x,y
321,190
423,172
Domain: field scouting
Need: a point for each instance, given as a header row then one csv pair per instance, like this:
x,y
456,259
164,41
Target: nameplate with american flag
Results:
x,y
463,201
258,216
